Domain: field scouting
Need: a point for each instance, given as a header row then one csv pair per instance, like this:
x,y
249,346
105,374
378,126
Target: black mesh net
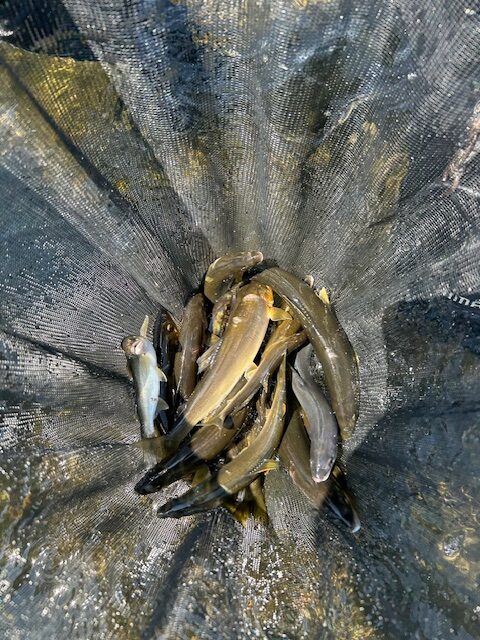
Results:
x,y
140,140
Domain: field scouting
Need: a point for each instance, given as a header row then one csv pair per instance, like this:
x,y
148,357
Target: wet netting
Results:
x,y
140,140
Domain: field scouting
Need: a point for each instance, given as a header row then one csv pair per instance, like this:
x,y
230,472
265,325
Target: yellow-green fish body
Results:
x,y
191,341
225,269
329,341
237,474
243,337
294,454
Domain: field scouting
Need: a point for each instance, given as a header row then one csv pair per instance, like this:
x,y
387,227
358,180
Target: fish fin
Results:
x,y
204,361
129,370
144,327
357,359
309,280
153,446
323,295
276,314
269,465
256,489
240,512
162,405
202,365
217,420
161,376
260,515
201,474
250,371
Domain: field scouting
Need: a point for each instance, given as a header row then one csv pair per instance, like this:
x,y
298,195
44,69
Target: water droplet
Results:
x,y
451,546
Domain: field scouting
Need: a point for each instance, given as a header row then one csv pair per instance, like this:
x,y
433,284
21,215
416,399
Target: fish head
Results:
x,y
322,468
256,292
134,346
253,258
265,292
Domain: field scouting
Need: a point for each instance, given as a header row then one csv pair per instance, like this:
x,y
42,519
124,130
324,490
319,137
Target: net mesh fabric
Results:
x,y
140,140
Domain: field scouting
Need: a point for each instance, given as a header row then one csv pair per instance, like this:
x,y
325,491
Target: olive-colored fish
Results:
x,y
237,474
242,339
253,494
255,488
225,269
294,454
240,510
191,340
322,425
283,340
165,341
220,312
142,366
204,445
206,360
329,341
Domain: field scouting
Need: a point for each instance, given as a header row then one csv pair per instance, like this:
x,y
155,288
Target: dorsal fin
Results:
x,y
144,327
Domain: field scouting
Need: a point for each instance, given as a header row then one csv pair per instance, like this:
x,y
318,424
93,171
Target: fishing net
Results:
x,y
139,141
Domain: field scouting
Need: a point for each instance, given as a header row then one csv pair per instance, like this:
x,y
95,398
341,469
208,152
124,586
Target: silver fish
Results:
x,y
319,417
143,369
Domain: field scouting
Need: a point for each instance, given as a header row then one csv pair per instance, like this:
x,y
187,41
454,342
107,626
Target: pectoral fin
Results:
x,y
217,420
129,370
241,512
201,474
250,371
144,327
269,465
276,314
153,447
161,376
204,361
161,405
323,295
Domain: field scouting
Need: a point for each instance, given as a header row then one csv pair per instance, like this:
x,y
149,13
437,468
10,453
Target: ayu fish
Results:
x,y
227,268
237,474
142,367
165,341
284,339
294,454
243,337
329,341
191,340
322,426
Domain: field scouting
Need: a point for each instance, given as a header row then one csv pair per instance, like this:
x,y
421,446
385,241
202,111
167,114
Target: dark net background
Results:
x,y
141,139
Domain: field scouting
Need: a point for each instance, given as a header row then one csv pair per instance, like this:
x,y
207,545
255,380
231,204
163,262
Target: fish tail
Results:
x,y
207,495
165,473
179,432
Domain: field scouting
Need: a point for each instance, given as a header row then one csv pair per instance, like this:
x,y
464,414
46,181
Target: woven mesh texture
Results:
x,y
139,141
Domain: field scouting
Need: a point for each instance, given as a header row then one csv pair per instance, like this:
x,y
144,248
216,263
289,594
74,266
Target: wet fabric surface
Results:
x,y
141,140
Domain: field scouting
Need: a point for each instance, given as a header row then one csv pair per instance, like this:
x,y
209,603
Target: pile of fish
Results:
x,y
228,394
